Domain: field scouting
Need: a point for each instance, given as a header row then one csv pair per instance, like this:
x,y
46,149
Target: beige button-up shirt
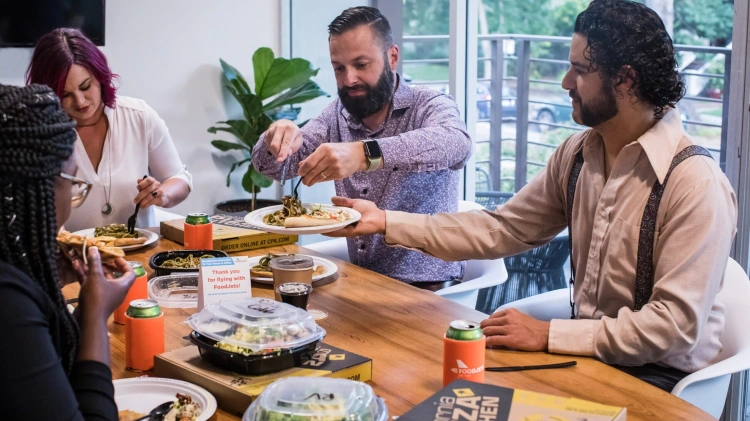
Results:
x,y
681,325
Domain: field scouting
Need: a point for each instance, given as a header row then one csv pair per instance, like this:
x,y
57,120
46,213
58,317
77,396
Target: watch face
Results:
x,y
372,150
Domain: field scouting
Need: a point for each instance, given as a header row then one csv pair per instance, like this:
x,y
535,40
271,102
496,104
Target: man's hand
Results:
x,y
372,221
333,161
283,138
516,330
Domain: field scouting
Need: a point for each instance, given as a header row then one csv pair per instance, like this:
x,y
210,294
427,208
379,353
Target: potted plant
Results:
x,y
280,84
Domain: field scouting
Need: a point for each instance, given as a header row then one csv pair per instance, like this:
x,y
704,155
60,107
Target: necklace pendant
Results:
x,y
107,208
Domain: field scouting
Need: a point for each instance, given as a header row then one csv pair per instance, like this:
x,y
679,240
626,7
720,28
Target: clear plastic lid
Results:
x,y
291,262
256,324
174,291
317,399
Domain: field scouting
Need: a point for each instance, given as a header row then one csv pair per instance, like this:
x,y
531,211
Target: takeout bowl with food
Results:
x,y
294,217
254,336
181,261
317,399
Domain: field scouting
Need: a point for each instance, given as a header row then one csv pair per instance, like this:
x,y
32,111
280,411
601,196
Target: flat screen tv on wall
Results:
x,y
23,22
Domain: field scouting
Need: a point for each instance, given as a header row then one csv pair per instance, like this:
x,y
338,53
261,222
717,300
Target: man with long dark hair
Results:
x,y
400,146
651,216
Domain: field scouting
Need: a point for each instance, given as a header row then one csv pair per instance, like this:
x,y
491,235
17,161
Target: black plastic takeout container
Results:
x,y
159,258
253,365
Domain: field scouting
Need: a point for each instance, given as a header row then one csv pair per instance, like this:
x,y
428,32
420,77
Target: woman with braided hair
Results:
x,y
119,138
53,365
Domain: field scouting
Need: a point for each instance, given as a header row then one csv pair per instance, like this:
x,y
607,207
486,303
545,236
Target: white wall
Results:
x,y
167,53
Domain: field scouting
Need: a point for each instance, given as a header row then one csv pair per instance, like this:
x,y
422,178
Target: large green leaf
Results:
x,y
297,95
230,130
235,77
247,181
234,166
251,105
224,146
263,59
260,180
282,74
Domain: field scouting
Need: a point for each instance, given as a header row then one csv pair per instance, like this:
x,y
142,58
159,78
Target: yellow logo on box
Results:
x,y
337,357
463,393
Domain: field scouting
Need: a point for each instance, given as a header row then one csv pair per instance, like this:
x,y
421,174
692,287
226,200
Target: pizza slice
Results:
x,y
73,243
316,216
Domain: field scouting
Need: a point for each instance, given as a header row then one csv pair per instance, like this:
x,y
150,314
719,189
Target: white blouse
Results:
x,y
137,143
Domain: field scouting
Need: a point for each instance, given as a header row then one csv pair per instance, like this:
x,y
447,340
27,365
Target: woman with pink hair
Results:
x,y
119,138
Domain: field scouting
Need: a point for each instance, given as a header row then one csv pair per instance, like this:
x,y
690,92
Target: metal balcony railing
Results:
x,y
522,56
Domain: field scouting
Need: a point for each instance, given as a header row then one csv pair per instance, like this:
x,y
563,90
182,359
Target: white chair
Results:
x,y
478,273
707,388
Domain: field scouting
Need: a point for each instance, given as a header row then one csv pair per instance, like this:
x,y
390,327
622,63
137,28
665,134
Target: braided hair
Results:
x,y
36,138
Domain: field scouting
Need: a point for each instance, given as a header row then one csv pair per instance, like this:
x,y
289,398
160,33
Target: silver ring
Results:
x,y
323,175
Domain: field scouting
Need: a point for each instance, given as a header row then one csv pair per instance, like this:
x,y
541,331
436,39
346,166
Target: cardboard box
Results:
x,y
231,233
464,400
235,392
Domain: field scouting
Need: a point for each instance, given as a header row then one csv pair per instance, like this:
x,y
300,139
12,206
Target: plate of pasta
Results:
x,y
117,235
138,396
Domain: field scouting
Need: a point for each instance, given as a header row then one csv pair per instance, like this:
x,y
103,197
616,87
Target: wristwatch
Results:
x,y
373,154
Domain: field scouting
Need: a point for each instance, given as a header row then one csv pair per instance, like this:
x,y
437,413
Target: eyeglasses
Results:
x,y
80,190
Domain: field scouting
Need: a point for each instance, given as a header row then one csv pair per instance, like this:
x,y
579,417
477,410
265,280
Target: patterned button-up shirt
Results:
x,y
424,145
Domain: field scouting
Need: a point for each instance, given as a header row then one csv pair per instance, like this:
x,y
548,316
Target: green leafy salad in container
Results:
x,y
246,335
317,399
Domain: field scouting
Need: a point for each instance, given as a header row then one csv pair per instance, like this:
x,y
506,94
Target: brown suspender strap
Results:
x,y
644,278
570,196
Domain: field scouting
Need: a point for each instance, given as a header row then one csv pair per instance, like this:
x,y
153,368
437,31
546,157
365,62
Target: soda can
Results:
x,y
144,334
199,232
137,291
463,352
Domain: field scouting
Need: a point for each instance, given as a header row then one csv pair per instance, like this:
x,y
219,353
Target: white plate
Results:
x,y
256,219
331,268
151,237
142,394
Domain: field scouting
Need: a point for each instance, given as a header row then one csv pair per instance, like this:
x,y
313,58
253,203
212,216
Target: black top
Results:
x,y
33,383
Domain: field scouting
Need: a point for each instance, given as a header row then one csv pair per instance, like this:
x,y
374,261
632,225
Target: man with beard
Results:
x,y
651,216
399,146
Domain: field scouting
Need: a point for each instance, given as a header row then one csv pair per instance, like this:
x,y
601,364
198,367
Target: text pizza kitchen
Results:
x,y
476,408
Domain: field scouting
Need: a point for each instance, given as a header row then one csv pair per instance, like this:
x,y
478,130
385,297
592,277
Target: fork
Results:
x,y
131,220
296,195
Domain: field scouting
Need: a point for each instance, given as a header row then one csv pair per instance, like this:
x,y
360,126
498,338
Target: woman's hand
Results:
x,y
101,293
372,221
150,192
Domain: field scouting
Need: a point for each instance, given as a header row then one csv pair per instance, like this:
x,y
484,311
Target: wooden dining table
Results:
x,y
401,329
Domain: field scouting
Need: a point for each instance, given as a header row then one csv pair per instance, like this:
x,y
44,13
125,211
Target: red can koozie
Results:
x,y
199,232
463,352
144,334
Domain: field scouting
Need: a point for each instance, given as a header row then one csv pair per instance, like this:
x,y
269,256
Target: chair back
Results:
x,y
707,388
735,295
